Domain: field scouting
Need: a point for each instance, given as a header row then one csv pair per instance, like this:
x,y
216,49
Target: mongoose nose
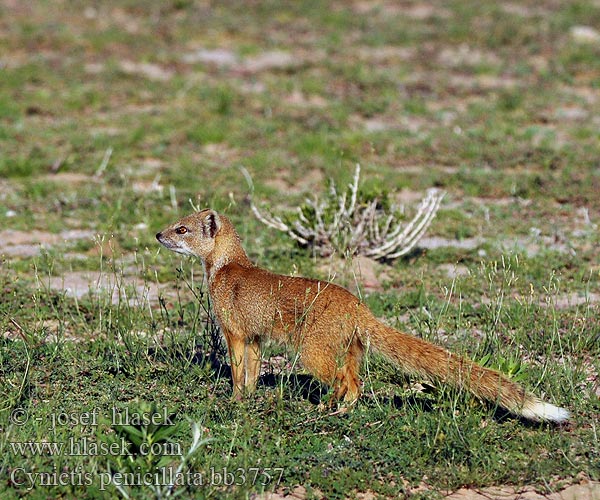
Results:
x,y
158,236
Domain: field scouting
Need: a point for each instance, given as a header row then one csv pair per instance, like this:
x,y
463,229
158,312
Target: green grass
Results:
x,y
106,358
509,131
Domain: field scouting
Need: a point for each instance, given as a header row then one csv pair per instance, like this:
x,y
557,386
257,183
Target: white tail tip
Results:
x,y
538,410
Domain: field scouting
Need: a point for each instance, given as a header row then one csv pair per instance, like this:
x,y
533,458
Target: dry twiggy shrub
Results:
x,y
350,222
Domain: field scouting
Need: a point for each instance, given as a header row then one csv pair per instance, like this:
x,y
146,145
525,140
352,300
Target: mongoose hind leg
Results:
x,y
347,383
339,371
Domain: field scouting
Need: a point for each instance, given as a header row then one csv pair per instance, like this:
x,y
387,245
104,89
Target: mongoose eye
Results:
x,y
181,230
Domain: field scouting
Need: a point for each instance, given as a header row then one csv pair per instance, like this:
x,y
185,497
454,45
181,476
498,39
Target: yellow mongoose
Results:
x,y
329,327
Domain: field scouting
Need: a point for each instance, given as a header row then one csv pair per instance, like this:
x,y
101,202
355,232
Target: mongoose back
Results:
x,y
329,327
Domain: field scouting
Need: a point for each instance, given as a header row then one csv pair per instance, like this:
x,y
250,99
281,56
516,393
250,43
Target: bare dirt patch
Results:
x,y
482,82
454,270
5,188
418,11
386,53
282,182
221,152
534,245
219,57
433,242
368,272
520,10
121,289
73,178
380,123
463,55
146,186
573,299
268,60
299,99
586,490
361,274
29,243
146,70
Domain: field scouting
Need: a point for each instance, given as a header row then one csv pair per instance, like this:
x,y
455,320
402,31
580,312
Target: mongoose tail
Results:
x,y
420,357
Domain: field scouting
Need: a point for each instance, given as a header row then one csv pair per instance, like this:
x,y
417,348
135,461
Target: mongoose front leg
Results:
x,y
252,364
236,347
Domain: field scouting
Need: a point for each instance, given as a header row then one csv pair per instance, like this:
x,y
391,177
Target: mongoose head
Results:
x,y
192,235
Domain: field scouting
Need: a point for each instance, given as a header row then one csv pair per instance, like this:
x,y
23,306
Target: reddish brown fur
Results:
x,y
329,327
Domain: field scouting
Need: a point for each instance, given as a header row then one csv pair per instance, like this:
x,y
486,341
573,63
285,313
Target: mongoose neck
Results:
x,y
227,250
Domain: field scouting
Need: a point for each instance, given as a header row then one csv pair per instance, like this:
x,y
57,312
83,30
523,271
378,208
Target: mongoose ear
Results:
x,y
212,223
